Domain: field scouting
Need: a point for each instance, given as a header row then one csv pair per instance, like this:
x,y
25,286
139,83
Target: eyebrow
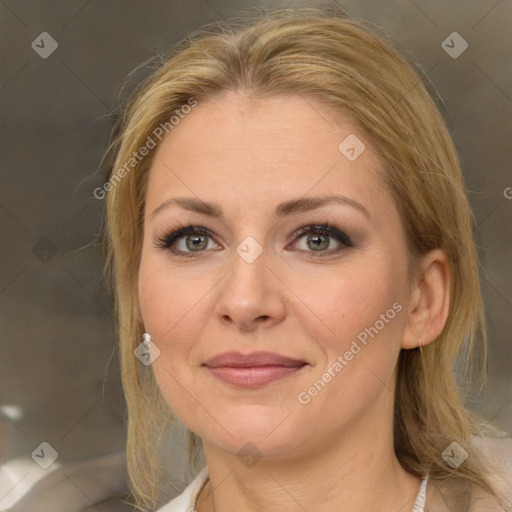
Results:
x,y
293,206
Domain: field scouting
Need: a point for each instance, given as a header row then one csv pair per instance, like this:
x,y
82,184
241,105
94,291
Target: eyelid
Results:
x,y
180,231
327,229
168,240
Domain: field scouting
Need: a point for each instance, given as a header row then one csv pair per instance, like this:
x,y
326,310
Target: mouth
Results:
x,y
252,370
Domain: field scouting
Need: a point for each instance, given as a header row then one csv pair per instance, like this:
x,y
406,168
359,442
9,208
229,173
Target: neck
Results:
x,y
358,471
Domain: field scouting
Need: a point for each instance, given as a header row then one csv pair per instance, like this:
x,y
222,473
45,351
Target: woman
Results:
x,y
295,277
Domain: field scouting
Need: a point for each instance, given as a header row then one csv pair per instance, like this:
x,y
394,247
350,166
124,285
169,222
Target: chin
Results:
x,y
268,431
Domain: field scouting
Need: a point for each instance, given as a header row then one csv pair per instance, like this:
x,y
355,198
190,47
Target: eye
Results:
x,y
317,239
186,240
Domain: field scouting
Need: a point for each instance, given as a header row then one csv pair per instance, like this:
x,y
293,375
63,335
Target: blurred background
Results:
x,y
66,67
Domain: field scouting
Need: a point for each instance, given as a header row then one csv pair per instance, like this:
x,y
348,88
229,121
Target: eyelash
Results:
x,y
166,241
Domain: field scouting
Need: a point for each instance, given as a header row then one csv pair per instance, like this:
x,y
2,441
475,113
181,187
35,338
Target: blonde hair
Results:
x,y
344,64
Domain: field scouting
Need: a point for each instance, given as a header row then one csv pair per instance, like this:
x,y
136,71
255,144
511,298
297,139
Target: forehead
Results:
x,y
255,151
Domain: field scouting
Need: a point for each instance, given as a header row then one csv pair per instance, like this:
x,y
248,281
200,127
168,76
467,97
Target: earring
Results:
x,y
419,339
147,351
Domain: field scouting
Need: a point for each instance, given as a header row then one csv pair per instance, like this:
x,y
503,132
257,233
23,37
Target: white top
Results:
x,y
186,501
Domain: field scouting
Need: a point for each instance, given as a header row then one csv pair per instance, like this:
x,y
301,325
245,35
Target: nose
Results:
x,y
252,294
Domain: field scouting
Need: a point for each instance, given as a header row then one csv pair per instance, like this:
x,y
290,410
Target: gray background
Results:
x,y
58,361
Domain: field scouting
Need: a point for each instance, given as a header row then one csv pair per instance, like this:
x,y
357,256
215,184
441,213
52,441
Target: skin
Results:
x,y
336,452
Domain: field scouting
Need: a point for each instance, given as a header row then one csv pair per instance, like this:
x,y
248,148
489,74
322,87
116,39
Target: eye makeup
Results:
x,y
169,239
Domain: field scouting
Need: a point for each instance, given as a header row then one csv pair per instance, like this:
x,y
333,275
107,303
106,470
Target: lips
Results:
x,y
252,370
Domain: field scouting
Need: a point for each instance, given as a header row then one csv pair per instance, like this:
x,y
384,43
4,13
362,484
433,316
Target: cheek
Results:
x,y
170,306
355,304
174,306
365,318
162,300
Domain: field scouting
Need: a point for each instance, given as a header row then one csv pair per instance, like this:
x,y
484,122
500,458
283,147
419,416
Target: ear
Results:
x,y
429,302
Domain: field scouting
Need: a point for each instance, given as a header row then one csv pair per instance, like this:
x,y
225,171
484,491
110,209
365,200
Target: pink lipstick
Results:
x,y
252,370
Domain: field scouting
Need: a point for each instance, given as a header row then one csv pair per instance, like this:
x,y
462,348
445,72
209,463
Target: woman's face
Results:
x,y
267,334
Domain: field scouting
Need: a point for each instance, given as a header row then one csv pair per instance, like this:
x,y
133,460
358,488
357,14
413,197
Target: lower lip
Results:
x,y
254,376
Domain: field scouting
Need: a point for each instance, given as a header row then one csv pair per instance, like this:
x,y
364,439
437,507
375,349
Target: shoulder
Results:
x,y
497,452
460,495
186,501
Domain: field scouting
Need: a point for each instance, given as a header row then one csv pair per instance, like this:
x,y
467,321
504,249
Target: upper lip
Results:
x,y
238,360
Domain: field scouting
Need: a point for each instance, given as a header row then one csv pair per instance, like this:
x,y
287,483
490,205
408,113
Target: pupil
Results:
x,y
195,242
316,239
